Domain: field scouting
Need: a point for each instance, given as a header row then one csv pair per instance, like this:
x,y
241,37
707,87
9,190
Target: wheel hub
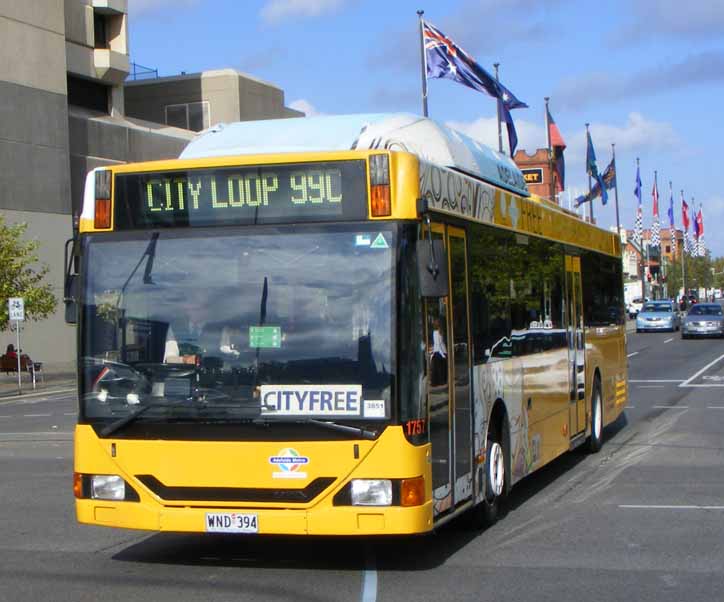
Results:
x,y
496,469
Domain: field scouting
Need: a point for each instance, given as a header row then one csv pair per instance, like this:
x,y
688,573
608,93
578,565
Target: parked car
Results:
x,y
634,307
703,319
658,315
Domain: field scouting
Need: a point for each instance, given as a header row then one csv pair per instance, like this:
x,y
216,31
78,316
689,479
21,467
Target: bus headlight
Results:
x,y
108,487
371,492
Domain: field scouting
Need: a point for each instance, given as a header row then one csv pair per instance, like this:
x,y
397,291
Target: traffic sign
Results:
x,y
16,308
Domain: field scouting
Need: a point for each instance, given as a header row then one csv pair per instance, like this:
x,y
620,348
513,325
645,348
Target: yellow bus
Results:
x,y
339,325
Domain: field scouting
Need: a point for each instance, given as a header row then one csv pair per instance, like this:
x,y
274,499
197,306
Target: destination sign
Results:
x,y
321,191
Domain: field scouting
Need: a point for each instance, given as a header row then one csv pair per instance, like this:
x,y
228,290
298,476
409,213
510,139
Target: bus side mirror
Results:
x,y
71,299
70,285
432,268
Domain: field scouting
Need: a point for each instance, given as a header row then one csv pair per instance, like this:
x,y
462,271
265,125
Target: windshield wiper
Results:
x,y
333,426
121,422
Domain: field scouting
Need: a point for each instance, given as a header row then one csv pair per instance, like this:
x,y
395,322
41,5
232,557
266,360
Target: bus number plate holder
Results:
x,y
231,522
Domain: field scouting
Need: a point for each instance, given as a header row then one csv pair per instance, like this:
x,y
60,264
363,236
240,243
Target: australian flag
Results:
x,y
445,59
602,183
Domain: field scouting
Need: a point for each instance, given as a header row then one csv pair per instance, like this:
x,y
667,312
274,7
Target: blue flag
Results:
x,y
445,59
591,168
599,187
637,189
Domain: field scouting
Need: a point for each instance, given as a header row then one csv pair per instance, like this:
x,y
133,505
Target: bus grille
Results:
x,y
236,494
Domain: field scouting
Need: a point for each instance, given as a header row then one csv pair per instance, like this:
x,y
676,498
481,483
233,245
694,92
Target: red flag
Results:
x,y
655,196
557,146
685,214
700,223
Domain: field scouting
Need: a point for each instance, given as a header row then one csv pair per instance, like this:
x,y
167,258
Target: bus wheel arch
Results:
x,y
595,440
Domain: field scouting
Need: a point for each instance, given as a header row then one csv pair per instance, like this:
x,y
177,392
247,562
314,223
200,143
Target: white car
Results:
x,y
633,308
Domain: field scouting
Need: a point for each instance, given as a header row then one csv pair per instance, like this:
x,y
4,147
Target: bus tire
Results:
x,y
596,439
487,512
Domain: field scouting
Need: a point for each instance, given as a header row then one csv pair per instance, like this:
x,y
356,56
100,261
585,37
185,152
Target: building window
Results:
x,y
195,116
668,248
87,94
100,34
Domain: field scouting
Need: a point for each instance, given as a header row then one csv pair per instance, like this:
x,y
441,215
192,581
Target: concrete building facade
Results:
x,y
63,64
198,100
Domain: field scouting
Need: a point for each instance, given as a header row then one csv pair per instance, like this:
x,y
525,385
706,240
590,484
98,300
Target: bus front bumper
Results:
x,y
333,520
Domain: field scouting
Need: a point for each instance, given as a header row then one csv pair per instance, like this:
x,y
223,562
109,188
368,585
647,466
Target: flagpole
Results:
x,y
423,64
550,153
590,209
500,127
683,264
641,243
615,188
672,228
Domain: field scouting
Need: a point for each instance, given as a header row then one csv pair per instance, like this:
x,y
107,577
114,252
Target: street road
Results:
x,y
641,520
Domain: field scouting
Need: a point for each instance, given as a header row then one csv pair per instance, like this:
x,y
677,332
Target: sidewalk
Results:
x,y
51,380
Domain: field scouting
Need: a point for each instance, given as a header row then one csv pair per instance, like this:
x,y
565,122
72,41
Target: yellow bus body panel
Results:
x,y
246,464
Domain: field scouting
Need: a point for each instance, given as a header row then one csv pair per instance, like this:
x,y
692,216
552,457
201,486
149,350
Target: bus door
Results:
x,y
576,348
449,391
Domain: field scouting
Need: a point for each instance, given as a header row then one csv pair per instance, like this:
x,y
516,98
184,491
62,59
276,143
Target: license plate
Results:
x,y
231,522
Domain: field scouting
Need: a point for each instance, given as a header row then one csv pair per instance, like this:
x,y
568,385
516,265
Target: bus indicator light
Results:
x,y
380,186
412,492
77,485
380,201
102,218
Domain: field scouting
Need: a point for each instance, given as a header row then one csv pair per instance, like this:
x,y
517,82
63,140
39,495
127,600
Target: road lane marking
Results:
x,y
704,369
670,407
632,354
36,415
369,582
651,387
667,507
629,407
715,407
668,340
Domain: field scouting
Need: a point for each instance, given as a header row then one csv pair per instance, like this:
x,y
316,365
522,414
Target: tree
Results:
x,y
718,268
23,275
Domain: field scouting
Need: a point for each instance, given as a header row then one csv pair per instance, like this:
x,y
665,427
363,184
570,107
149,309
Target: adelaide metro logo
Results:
x,y
289,463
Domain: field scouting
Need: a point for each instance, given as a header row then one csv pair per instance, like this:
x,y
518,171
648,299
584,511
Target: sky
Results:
x,y
647,75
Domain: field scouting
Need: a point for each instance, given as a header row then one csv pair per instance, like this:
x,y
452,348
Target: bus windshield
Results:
x,y
275,323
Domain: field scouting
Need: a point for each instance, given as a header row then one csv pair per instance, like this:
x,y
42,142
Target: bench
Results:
x,y
9,364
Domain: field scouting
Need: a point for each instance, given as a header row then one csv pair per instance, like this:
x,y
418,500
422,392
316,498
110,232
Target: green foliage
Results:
x,y
22,275
701,272
718,267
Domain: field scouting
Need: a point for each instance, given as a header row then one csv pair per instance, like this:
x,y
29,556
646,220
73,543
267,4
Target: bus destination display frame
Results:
x,y
241,195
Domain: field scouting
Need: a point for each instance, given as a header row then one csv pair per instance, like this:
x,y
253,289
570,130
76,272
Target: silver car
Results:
x,y
658,315
703,319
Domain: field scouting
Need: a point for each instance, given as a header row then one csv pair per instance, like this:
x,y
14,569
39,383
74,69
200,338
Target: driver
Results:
x,y
186,339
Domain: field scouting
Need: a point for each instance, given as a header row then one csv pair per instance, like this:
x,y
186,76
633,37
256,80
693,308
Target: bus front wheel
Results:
x,y
489,509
